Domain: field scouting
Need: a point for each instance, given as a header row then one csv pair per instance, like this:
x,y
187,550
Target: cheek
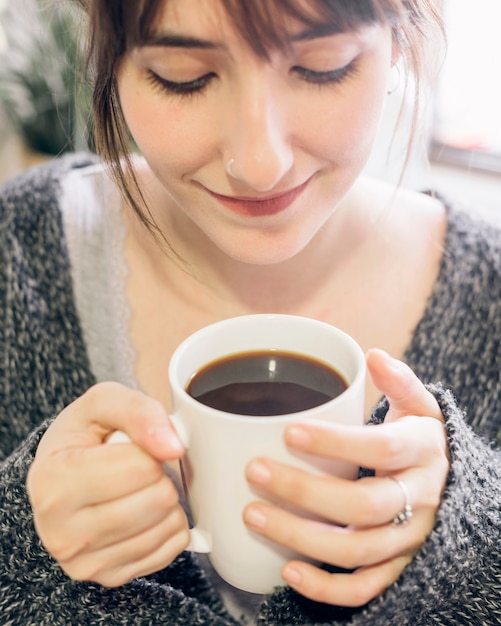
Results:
x,y
345,126
347,129
155,130
165,133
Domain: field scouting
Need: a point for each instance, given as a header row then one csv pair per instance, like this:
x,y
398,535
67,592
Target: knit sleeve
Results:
x,y
456,576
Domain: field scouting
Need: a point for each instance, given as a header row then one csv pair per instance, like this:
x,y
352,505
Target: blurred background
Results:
x,y
45,100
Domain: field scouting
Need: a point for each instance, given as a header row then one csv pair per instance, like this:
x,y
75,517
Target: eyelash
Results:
x,y
197,86
333,77
189,88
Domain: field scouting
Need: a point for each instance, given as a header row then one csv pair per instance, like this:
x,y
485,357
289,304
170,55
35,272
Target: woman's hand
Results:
x,y
358,533
108,513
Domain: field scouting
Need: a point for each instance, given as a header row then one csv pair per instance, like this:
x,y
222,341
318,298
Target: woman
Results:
x,y
253,122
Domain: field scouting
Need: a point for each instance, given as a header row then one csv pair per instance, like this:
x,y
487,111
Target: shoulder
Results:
x,y
31,222
37,191
405,215
470,243
468,285
459,335
471,228
472,251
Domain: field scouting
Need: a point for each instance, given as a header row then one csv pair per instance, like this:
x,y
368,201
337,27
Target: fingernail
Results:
x,y
298,436
292,576
258,472
166,437
395,364
255,517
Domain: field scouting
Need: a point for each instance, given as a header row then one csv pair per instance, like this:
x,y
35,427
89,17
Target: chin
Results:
x,y
265,253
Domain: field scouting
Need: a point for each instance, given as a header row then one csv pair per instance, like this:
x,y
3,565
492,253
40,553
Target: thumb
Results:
x,y
108,407
405,392
126,415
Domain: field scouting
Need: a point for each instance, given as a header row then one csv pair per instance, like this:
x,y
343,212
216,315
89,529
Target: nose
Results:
x,y
259,151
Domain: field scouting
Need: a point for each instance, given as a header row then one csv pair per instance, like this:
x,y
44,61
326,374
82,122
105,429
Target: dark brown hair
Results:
x,y
116,26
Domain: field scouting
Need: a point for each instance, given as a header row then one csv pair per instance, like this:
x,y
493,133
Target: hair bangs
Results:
x,y
265,24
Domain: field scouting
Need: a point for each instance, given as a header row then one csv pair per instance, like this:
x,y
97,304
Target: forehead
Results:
x,y
263,24
192,15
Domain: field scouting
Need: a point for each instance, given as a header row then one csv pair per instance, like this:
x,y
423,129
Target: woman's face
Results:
x,y
296,129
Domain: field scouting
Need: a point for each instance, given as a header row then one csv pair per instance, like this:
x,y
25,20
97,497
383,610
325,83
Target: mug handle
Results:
x,y
199,540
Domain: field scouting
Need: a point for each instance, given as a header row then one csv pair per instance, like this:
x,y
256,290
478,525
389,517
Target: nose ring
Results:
x,y
229,168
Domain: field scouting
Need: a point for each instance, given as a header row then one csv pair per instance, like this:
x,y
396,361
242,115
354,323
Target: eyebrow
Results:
x,y
317,32
173,40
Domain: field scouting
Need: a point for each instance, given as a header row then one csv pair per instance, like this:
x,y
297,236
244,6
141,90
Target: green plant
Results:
x,y
41,88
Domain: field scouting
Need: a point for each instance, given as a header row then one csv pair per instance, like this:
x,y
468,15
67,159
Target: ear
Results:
x,y
396,54
396,47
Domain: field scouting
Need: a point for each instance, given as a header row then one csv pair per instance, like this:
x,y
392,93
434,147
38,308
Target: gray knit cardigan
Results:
x,y
454,579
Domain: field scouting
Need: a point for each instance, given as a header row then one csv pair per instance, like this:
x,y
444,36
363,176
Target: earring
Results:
x,y
229,166
396,85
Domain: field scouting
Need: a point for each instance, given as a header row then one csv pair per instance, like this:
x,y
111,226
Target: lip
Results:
x,y
258,207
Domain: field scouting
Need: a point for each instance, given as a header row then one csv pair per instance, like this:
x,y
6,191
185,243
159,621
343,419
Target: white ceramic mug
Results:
x,y
220,445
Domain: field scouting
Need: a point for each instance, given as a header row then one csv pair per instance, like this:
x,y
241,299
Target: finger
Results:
x,y
101,475
107,407
406,393
391,447
370,501
156,560
142,554
352,590
127,517
349,547
96,527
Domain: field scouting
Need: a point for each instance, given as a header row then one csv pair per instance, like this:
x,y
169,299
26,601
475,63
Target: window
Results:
x,y
467,121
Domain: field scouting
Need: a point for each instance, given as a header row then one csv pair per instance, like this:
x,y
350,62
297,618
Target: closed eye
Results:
x,y
326,78
187,88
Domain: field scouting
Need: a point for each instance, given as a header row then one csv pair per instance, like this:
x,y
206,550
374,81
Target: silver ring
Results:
x,y
405,514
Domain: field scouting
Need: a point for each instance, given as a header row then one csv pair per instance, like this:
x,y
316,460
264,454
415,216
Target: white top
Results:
x,y
95,231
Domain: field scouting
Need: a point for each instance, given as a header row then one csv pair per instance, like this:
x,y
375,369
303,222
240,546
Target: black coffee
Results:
x,y
265,383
